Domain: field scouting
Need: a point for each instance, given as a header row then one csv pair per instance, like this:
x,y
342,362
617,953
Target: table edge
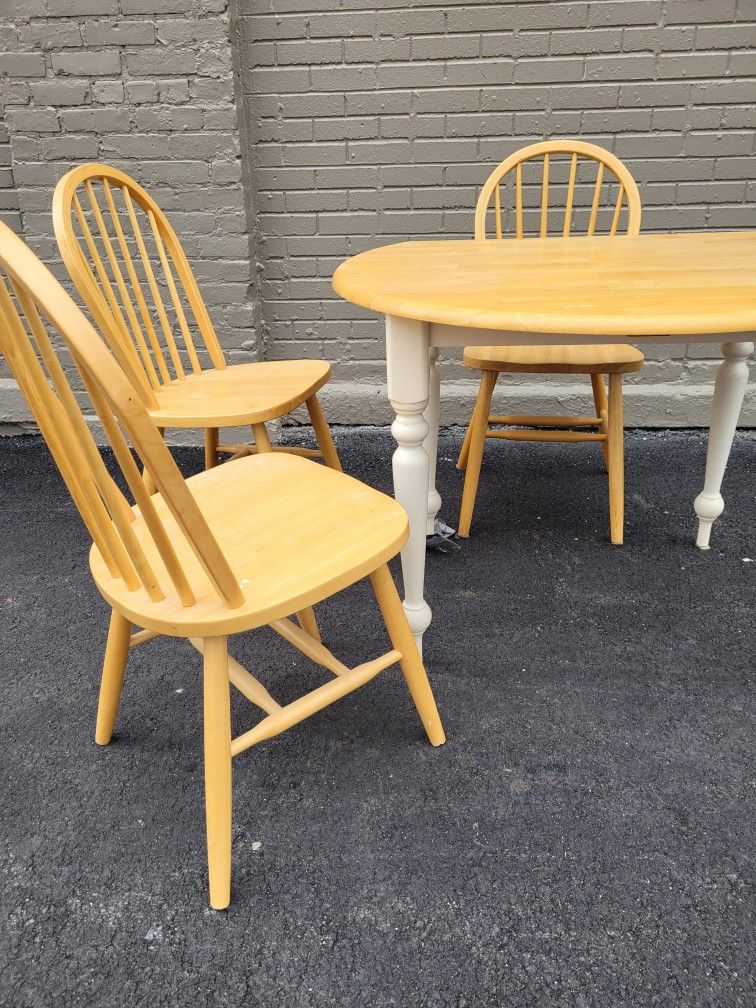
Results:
x,y
736,322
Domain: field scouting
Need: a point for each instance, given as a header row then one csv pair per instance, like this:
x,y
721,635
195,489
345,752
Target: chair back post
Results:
x,y
132,273
30,300
607,163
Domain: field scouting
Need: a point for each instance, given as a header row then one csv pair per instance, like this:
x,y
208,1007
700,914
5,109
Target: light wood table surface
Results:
x,y
436,294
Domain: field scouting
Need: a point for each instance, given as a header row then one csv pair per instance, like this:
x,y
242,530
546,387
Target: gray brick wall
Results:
x,y
10,213
344,128
380,120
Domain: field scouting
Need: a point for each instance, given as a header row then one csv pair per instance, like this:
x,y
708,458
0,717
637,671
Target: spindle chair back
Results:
x,y
29,304
130,269
609,183
161,565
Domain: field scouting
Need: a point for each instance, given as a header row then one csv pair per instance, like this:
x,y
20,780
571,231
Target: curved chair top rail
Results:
x,y
31,299
131,271
607,163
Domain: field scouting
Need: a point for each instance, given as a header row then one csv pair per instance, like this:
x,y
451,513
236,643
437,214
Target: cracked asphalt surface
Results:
x,y
583,838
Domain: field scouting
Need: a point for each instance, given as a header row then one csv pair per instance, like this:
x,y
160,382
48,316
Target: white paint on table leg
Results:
x,y
729,389
407,361
432,414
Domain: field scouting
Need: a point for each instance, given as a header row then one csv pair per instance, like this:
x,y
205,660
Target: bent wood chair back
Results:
x,y
33,305
598,185
131,271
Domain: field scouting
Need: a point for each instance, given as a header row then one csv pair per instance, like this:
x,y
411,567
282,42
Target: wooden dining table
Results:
x,y
434,294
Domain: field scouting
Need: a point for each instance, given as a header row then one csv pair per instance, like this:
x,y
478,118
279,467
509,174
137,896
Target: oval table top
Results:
x,y
650,285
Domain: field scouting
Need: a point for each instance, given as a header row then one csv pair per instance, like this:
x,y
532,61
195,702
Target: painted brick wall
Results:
x,y
378,121
9,208
357,122
146,85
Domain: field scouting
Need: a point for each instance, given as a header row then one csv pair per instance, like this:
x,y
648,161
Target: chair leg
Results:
x,y
599,399
211,447
615,443
262,438
323,433
113,671
401,638
217,712
465,449
478,427
308,622
148,480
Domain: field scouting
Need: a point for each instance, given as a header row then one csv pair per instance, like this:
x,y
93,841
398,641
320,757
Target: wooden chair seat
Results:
x,y
240,394
332,529
578,359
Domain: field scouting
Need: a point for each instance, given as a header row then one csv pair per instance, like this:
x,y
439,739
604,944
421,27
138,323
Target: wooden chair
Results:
x,y
236,547
132,273
596,361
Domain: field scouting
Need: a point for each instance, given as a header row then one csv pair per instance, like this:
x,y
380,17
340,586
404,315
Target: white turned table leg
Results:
x,y
729,389
407,361
432,415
